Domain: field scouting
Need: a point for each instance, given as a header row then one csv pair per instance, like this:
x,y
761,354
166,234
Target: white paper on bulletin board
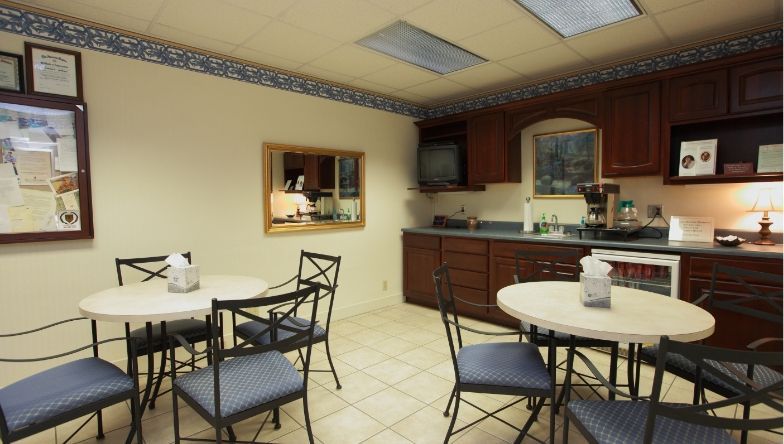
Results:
x,y
691,229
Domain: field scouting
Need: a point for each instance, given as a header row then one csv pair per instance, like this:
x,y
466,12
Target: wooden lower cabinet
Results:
x,y
421,255
733,330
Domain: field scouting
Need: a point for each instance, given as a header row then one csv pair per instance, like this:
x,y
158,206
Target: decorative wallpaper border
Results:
x,y
19,21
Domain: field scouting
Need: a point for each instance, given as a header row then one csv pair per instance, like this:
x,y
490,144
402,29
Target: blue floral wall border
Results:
x,y
19,21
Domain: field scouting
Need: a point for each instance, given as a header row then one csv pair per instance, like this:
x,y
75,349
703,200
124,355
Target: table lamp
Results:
x,y
764,203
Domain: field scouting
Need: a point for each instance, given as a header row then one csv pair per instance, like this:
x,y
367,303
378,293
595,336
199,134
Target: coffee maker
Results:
x,y
600,199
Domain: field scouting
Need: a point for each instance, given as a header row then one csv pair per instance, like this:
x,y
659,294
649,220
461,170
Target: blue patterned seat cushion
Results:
x,y
250,328
191,329
623,422
60,389
762,374
245,382
507,364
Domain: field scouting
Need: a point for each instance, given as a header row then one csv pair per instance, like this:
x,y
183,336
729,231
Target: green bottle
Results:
x,y
543,229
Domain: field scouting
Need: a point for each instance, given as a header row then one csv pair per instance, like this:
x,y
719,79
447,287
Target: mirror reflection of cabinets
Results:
x,y
312,188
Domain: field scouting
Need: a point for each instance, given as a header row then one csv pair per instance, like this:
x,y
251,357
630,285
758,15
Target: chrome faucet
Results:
x,y
553,223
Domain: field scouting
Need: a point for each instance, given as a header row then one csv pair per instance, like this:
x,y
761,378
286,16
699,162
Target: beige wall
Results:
x,y
176,165
726,203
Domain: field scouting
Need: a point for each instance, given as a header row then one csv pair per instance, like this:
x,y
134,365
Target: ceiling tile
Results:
x,y
342,20
455,20
289,42
143,9
440,89
487,76
192,40
212,19
92,14
324,74
352,60
270,9
657,6
546,61
399,7
370,86
716,18
631,38
400,76
510,39
265,59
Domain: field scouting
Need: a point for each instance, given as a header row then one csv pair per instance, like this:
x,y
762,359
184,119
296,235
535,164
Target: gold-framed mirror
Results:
x,y
307,188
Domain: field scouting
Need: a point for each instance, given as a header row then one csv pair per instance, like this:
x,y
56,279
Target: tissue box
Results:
x,y
595,291
183,280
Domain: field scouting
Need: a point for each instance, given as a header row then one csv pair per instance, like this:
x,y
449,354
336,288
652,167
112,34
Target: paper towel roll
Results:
x,y
528,218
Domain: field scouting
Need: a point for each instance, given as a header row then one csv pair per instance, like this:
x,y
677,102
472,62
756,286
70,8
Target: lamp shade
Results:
x,y
764,201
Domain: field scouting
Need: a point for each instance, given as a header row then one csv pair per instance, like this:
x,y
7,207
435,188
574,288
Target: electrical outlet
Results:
x,y
462,208
655,210
384,285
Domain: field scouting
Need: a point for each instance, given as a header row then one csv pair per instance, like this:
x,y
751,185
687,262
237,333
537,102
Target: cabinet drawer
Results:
x,y
702,267
473,296
470,279
463,245
508,249
462,261
423,241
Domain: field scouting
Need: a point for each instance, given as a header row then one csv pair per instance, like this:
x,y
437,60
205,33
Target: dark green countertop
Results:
x,y
510,232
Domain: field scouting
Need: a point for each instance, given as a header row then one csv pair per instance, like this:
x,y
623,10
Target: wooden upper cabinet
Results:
x,y
489,160
756,86
698,95
631,135
319,171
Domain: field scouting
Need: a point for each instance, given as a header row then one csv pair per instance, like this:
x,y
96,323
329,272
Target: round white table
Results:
x,y
635,316
151,301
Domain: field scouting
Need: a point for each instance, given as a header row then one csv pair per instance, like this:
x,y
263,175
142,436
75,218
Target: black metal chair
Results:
x,y
649,420
314,268
506,368
68,391
558,265
195,330
762,301
248,379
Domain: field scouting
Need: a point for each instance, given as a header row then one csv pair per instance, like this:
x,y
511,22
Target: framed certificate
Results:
x,y
11,78
53,72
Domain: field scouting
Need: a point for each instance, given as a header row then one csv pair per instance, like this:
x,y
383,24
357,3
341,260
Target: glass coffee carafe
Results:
x,y
626,217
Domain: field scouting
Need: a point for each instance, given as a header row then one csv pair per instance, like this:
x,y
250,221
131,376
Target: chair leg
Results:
x,y
454,416
232,435
161,371
176,418
136,414
99,418
307,418
331,365
218,435
744,434
451,397
613,369
276,417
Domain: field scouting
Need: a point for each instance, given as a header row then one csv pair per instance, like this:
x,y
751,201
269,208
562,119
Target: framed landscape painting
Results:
x,y
562,160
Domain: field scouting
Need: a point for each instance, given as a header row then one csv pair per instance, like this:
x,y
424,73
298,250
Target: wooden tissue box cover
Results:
x,y
183,280
595,291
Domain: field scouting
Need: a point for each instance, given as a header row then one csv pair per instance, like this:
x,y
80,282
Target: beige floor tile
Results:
x,y
389,406
420,337
321,402
427,426
338,345
393,312
371,338
298,436
45,437
246,430
475,435
324,377
363,357
114,437
387,436
517,415
358,386
444,370
425,387
441,344
369,320
394,328
160,429
395,346
115,417
423,358
392,371
347,426
345,328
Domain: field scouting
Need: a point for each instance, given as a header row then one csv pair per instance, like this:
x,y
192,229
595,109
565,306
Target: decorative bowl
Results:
x,y
730,241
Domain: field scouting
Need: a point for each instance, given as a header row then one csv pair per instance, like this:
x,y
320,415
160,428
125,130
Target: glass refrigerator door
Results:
x,y
656,273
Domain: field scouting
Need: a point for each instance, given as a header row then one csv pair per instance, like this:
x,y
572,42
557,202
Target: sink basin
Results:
x,y
554,235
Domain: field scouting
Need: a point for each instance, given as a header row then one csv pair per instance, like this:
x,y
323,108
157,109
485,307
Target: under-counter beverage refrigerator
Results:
x,y
654,272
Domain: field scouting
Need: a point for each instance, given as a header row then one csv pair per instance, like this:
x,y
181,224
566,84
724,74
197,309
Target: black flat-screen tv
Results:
x,y
440,164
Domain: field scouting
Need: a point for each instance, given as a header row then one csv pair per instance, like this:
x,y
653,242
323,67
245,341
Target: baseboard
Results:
x,y
365,306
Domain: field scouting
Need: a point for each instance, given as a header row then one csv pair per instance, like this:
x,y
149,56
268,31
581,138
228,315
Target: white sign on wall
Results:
x,y
691,229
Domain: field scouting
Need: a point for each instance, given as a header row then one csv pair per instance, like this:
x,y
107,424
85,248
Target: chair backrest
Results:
x,y
147,267
321,270
551,265
446,305
762,301
280,319
733,367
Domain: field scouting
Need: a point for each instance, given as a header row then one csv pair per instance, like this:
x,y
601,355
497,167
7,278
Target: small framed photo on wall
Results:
x,y
53,72
11,72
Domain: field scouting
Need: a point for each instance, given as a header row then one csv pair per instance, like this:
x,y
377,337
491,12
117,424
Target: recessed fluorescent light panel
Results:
x,y
413,45
572,17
